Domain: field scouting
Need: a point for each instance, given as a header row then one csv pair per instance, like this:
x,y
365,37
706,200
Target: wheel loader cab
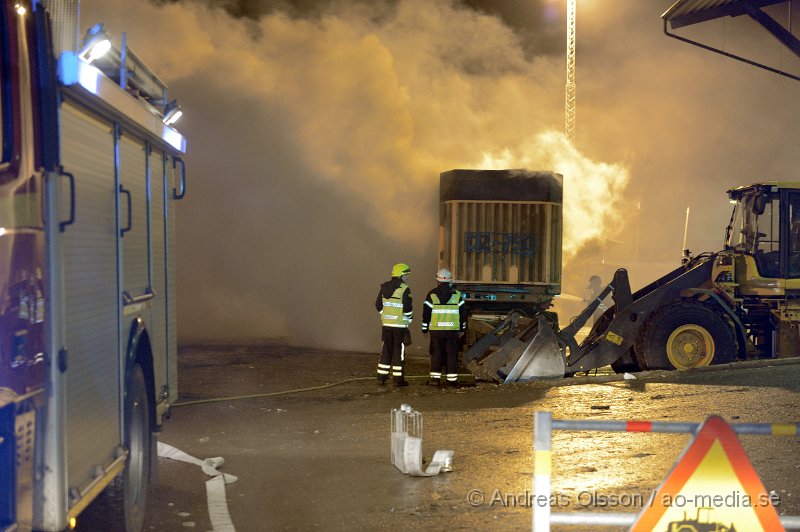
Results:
x,y
765,228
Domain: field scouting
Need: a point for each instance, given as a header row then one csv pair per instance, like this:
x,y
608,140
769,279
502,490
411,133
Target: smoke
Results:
x,y
591,189
316,141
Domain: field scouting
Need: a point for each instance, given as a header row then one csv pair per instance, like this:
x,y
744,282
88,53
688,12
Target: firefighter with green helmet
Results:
x,y
394,305
445,316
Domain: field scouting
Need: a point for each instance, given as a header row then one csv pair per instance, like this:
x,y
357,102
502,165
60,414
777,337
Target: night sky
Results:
x,y
317,130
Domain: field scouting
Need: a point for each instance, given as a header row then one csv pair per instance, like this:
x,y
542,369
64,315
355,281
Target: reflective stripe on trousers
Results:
x,y
397,371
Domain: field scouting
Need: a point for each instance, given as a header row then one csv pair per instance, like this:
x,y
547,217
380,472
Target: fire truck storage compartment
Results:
x,y
90,285
114,269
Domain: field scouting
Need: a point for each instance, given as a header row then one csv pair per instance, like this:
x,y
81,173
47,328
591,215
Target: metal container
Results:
x,y
500,232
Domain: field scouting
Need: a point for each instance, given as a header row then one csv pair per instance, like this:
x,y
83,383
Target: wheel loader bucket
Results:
x,y
541,358
532,353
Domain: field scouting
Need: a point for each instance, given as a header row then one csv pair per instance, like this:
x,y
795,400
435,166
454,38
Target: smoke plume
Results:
x,y
316,140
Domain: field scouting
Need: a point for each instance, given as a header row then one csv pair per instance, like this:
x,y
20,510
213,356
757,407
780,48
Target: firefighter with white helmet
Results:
x,y
445,316
395,308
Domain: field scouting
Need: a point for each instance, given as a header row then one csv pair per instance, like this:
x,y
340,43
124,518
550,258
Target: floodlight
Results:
x,y
95,44
172,113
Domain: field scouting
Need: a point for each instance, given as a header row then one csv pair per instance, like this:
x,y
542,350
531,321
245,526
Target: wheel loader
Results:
x,y
739,303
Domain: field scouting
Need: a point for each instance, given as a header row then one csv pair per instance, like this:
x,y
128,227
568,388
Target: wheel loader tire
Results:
x,y
120,507
685,335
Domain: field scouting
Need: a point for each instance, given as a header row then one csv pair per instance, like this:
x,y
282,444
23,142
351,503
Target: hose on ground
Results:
x,y
296,390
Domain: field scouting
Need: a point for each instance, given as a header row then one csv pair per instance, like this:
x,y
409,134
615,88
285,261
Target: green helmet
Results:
x,y
400,269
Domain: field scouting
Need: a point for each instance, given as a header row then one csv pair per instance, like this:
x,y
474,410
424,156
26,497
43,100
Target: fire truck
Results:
x,y
90,171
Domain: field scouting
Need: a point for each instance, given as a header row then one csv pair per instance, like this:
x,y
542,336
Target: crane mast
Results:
x,y
569,112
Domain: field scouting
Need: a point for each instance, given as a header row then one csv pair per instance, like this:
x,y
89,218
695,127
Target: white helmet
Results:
x,y
444,276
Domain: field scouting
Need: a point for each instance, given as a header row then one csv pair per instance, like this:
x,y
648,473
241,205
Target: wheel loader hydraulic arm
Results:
x,y
580,358
567,334
617,330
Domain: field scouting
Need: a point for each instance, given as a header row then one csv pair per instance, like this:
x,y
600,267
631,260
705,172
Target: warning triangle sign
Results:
x,y
712,486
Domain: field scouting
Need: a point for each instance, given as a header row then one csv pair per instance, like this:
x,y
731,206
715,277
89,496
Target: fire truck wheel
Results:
x,y
685,335
120,507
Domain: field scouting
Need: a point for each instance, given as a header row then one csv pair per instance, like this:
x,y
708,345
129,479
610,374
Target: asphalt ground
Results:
x,y
307,433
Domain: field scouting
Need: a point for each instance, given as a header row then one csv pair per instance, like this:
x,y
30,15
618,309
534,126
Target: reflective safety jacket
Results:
x,y
392,314
444,316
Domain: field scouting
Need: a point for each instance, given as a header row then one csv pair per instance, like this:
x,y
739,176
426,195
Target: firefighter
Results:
x,y
593,292
445,316
394,305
